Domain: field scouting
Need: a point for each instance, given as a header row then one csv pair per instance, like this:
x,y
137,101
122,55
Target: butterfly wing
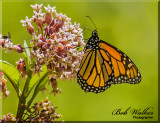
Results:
x,y
103,65
94,72
123,68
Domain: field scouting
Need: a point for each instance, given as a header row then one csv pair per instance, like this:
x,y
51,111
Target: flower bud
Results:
x,y
21,67
44,46
3,87
60,48
30,29
58,25
2,42
1,75
39,44
18,48
39,22
48,18
56,91
54,83
49,42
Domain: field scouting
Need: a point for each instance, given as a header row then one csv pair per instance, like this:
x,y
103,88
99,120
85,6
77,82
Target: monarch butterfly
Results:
x,y
104,65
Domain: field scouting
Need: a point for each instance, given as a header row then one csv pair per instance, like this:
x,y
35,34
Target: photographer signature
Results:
x,y
133,111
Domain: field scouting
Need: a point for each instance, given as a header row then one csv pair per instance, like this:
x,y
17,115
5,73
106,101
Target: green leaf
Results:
x,y
41,83
36,78
28,69
11,73
27,58
28,54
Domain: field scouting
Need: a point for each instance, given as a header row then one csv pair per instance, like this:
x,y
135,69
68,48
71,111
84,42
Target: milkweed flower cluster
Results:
x,y
3,87
40,111
57,43
43,111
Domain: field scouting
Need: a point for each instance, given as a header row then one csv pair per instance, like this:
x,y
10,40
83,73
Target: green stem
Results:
x,y
22,100
21,107
40,84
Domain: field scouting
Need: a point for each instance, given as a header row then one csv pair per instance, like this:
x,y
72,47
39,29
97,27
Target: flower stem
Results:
x,y
21,107
22,99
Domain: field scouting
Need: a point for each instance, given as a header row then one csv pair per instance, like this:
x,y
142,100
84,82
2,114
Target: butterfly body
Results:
x,y
104,65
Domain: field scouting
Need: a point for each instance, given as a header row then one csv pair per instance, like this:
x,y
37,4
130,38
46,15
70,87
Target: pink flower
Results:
x,y
21,67
50,9
28,25
18,48
37,7
27,21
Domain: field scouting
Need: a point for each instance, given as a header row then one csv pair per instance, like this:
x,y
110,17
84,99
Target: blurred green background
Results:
x,y
130,26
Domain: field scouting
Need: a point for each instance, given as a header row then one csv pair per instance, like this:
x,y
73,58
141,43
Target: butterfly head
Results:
x,y
94,36
94,33
92,43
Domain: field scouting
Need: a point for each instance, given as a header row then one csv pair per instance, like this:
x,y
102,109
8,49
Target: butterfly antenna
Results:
x,y
92,21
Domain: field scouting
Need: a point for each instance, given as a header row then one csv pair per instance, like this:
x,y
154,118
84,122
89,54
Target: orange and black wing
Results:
x,y
94,72
123,68
104,66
